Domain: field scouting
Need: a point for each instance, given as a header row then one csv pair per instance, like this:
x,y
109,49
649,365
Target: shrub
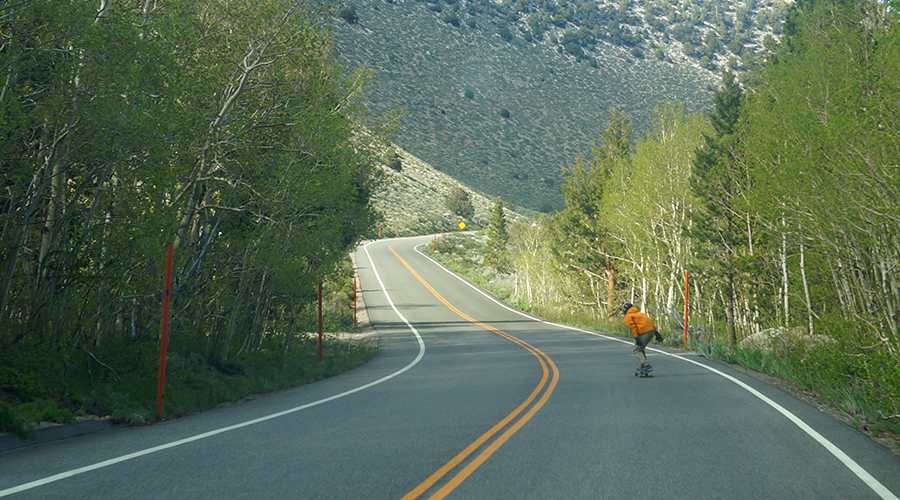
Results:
x,y
349,14
391,159
43,410
460,202
9,422
469,94
504,112
452,19
572,48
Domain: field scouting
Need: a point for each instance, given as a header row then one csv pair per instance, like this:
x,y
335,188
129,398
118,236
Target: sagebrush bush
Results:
x,y
392,160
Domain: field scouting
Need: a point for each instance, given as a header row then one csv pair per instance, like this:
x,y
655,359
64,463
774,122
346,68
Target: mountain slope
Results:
x,y
412,201
505,107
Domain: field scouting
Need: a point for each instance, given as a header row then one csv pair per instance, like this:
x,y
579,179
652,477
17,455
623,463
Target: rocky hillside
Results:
x,y
412,201
503,95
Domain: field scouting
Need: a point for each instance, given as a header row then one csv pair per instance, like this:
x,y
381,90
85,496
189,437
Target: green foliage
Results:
x,y
495,254
781,203
648,202
615,145
459,202
719,180
391,159
504,113
41,410
469,94
583,242
716,179
452,19
9,422
128,131
349,14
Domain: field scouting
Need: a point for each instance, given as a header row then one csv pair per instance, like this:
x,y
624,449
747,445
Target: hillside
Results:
x,y
503,96
412,201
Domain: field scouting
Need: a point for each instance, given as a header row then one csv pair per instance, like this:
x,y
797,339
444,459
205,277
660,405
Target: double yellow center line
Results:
x,y
512,423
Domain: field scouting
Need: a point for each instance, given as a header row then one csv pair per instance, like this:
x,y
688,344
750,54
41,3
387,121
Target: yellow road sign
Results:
x,y
462,225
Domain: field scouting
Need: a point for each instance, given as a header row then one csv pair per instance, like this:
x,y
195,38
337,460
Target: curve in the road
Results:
x,y
848,462
466,471
215,432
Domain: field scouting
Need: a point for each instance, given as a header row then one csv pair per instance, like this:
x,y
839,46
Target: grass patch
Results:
x,y
196,384
10,422
119,378
844,379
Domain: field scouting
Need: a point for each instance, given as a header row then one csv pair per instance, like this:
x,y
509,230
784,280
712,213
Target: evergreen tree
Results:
x,y
460,202
615,144
495,254
583,241
717,181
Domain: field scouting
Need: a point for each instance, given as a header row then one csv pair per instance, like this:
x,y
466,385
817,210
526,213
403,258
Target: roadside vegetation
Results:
x,y
778,205
226,129
822,373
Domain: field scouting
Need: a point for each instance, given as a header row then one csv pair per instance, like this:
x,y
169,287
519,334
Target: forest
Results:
x,y
779,207
225,129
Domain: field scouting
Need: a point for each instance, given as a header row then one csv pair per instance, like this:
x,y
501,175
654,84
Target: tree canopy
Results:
x,y
225,128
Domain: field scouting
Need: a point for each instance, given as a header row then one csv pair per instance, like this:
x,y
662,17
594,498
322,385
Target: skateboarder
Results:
x,y
644,330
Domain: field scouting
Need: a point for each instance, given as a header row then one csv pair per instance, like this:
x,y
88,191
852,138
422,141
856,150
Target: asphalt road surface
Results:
x,y
469,399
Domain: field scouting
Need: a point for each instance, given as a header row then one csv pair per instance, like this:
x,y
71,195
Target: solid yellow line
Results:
x,y
434,478
480,459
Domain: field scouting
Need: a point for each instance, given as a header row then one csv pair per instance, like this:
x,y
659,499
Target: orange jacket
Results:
x,y
638,322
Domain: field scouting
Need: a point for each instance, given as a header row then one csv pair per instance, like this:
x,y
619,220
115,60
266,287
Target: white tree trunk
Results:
x,y
784,274
809,310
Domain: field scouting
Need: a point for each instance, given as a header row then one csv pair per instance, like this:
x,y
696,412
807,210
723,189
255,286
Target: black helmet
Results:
x,y
626,306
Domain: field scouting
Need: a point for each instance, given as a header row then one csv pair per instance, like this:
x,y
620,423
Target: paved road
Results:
x,y
468,399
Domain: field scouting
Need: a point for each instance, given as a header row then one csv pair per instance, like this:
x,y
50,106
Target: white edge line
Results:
x,y
173,444
851,464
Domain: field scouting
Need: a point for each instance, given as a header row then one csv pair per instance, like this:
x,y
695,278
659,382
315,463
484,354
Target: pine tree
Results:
x,y
459,202
615,145
583,242
717,182
495,254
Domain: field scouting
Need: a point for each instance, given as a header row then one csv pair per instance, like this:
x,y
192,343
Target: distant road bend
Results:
x,y
470,399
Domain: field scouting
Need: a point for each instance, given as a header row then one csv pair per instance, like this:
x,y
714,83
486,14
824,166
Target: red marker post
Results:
x,y
685,307
164,335
320,322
